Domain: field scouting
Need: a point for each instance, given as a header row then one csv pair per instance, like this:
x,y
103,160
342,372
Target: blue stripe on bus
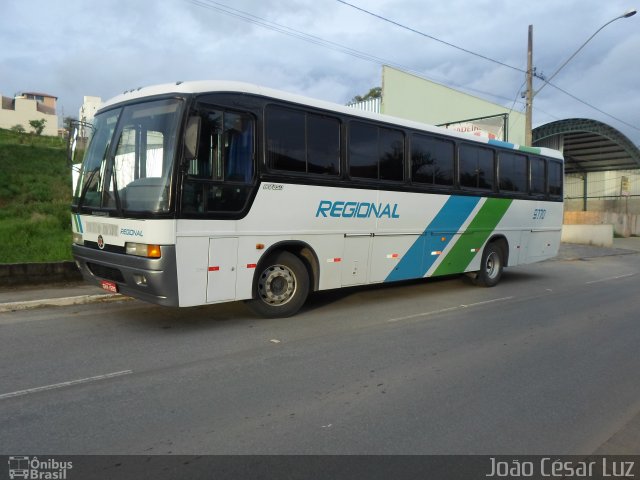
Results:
x,y
415,263
79,223
500,143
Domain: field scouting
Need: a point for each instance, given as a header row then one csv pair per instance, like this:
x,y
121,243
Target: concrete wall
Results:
x,y
599,235
604,191
38,273
623,225
89,107
26,110
414,98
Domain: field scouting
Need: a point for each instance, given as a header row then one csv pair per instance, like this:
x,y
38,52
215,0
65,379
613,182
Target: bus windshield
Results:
x,y
129,162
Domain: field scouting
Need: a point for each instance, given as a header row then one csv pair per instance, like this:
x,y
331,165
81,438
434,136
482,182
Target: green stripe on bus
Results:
x,y
474,237
535,150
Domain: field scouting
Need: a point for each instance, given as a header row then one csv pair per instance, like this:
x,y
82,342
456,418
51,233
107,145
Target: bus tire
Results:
x,y
281,286
491,266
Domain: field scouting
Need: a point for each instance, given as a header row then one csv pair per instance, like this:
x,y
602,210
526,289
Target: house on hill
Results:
x,y
27,106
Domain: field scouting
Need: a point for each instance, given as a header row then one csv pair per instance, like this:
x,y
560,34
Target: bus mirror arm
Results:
x,y
72,145
191,138
77,141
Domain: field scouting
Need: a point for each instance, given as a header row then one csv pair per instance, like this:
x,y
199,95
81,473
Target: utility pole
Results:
x,y
528,139
530,94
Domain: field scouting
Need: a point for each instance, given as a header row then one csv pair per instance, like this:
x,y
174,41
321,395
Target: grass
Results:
x,y
35,194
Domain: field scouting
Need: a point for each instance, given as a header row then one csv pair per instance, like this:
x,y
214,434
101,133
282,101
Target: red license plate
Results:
x,y
109,286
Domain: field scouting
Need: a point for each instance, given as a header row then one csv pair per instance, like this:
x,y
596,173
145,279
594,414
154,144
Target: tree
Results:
x,y
68,122
37,125
375,92
17,128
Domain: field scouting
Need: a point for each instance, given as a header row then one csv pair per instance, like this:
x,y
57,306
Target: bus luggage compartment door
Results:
x,y
221,275
355,263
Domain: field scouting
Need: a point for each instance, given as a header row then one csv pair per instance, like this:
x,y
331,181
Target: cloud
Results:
x,y
103,48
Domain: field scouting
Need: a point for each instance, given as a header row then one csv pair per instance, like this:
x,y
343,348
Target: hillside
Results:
x,y
35,194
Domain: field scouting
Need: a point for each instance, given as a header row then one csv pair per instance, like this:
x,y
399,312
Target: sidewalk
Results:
x,y
60,294
621,246
78,293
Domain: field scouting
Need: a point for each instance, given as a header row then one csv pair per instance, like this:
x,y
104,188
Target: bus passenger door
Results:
x,y
221,276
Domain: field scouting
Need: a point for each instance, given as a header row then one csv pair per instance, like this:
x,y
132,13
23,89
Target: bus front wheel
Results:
x,y
491,266
281,287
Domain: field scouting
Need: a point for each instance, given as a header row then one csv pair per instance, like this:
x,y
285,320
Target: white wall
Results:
x,y
26,110
408,96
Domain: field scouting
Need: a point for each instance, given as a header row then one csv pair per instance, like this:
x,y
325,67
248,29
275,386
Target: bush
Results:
x,y
37,125
35,198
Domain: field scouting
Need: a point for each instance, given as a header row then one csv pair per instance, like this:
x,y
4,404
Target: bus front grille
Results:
x,y
108,273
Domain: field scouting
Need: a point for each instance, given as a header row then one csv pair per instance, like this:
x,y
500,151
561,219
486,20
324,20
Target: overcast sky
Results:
x,y
73,48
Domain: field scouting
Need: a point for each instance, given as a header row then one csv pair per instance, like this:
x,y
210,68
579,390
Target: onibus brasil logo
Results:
x,y
33,468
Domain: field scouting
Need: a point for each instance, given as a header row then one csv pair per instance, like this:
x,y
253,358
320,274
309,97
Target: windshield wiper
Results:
x,y
85,187
116,194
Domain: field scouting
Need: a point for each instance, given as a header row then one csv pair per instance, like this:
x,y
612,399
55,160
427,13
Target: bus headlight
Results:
x,y
143,250
77,238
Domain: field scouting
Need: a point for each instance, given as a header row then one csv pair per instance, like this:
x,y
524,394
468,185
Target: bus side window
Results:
x,y
538,175
219,179
302,142
555,173
238,148
512,170
432,160
477,166
375,152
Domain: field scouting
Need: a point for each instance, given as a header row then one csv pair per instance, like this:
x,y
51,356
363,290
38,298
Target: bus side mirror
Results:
x,y
77,141
191,138
72,144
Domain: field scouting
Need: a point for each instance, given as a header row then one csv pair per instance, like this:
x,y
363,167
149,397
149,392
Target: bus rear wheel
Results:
x,y
491,266
281,287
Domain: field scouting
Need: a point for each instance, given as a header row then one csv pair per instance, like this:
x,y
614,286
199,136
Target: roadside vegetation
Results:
x,y
35,194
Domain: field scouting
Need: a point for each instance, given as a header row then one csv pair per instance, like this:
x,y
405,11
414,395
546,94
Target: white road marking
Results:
x,y
449,309
64,384
608,279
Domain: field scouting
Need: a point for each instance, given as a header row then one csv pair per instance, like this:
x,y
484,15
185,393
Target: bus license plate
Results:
x,y
109,286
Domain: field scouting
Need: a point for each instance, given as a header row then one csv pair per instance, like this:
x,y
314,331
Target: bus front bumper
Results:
x,y
151,280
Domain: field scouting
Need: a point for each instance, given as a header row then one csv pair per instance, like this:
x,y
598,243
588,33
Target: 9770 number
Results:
x,y
539,213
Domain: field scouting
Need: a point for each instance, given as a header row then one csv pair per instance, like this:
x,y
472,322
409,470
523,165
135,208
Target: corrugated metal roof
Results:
x,y
588,145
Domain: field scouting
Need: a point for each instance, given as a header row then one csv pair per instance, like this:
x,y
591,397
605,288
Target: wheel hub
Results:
x,y
492,265
277,285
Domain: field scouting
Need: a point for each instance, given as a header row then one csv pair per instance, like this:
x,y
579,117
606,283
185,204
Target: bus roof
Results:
x,y
211,86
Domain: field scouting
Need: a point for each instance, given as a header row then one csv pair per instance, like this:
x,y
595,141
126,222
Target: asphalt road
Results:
x,y
546,362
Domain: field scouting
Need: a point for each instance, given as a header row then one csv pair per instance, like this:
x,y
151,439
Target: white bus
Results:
x,y
205,192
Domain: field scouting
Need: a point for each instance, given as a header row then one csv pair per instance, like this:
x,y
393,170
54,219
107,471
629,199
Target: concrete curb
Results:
x,y
62,302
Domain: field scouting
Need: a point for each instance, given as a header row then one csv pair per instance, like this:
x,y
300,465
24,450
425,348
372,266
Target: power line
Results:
x,y
405,27
385,19
262,22
248,17
593,107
